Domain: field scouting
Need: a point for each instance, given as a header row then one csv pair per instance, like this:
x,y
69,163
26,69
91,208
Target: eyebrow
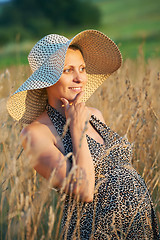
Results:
x,y
70,65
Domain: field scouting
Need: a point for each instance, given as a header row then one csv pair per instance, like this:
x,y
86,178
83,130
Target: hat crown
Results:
x,y
43,49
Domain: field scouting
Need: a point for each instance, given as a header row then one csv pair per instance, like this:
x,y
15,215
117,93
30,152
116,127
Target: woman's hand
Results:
x,y
44,152
77,113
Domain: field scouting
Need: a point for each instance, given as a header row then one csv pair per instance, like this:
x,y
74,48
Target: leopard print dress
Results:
x,y
122,207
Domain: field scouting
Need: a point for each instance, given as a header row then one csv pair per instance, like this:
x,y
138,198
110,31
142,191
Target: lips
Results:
x,y
76,89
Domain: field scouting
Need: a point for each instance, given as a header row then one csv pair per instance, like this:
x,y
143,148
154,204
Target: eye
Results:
x,y
67,70
82,69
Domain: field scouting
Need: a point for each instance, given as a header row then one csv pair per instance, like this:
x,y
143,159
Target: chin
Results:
x,y
71,99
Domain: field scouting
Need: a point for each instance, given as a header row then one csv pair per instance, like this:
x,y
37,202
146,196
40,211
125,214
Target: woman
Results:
x,y
106,198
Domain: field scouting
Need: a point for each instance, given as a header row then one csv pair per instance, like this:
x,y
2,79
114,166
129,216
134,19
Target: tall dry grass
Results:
x,y
129,100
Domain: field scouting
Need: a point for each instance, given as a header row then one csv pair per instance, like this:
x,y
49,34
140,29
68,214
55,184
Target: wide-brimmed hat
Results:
x,y
101,55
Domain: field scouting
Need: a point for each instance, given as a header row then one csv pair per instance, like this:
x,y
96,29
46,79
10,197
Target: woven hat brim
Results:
x,y
29,101
101,55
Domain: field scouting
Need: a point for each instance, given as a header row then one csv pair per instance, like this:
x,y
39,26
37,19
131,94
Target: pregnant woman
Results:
x,y
105,198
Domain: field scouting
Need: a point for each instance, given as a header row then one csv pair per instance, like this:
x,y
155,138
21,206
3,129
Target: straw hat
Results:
x,y
101,55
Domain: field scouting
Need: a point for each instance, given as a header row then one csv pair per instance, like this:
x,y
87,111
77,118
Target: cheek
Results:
x,y
60,84
85,79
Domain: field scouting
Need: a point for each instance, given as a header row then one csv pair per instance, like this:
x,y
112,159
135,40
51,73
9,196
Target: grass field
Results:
x,y
129,101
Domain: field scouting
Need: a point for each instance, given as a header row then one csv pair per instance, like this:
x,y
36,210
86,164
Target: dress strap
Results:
x,y
59,123
57,119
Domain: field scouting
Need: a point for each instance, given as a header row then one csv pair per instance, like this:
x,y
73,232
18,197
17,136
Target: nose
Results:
x,y
77,77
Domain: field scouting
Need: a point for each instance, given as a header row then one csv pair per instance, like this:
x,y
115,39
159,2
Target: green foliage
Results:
x,y
36,18
130,24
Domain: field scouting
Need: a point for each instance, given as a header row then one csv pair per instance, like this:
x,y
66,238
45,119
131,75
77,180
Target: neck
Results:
x,y
58,105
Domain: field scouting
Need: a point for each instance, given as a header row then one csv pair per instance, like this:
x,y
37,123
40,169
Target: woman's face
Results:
x,y
73,78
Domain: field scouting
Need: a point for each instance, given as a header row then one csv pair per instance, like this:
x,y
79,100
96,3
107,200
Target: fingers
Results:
x,y
65,102
77,102
79,97
76,112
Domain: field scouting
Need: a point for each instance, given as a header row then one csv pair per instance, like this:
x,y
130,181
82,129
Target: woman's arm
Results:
x,y
78,116
45,155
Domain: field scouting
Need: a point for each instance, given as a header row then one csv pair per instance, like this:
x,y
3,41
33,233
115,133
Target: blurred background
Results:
x,y
129,101
132,24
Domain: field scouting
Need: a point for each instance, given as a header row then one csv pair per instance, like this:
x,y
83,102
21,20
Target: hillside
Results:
x,y
133,25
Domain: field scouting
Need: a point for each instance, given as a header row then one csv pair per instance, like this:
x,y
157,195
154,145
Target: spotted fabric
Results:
x,y
122,207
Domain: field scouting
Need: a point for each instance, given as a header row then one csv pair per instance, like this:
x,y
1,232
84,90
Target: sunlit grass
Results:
x,y
129,101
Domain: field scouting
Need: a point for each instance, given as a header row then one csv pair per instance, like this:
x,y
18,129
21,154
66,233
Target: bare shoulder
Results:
x,y
37,130
33,129
97,113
